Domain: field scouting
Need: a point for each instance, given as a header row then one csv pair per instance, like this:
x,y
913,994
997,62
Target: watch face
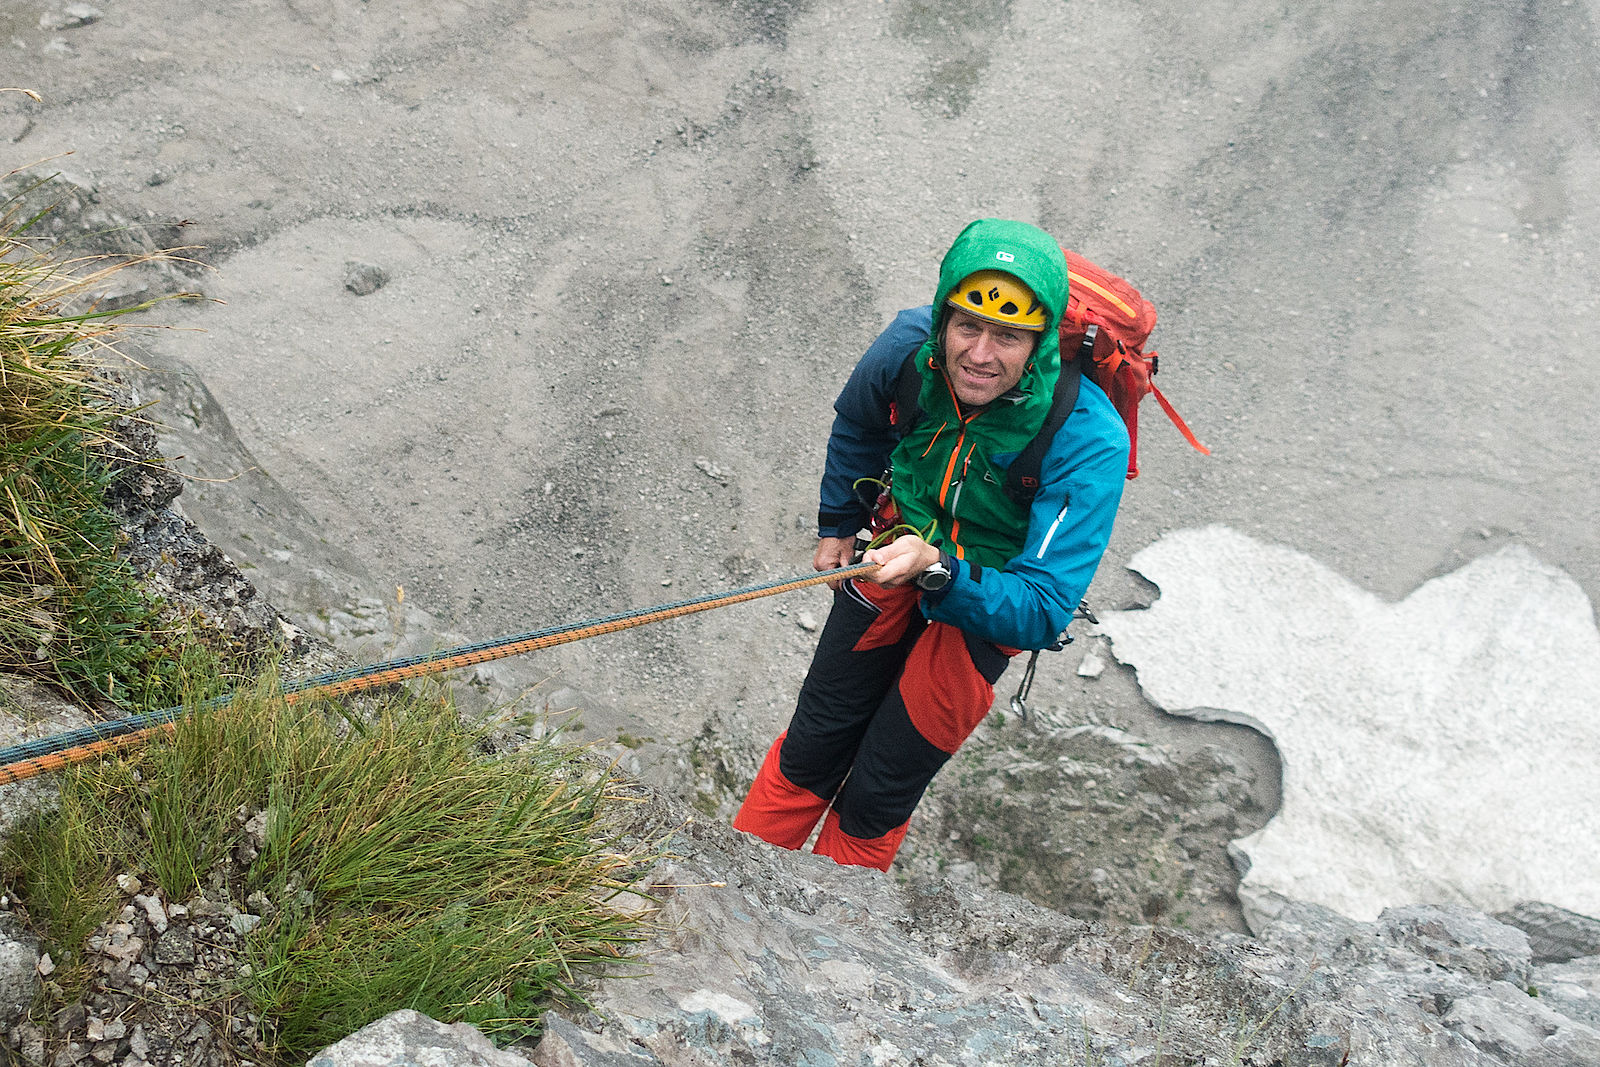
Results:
x,y
935,577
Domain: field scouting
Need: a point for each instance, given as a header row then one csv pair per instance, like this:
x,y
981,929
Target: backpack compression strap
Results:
x,y
1022,477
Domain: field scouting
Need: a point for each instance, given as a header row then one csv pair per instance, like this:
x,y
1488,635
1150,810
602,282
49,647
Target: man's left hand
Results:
x,y
901,560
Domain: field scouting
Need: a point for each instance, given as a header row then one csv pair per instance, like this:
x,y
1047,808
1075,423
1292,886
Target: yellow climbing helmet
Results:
x,y
999,297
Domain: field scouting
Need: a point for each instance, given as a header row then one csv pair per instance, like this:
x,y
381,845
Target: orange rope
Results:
x,y
384,674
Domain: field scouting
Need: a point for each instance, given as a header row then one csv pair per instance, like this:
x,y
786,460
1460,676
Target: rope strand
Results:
x,y
31,758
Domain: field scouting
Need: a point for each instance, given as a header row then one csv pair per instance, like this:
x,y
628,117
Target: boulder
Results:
x,y
19,974
408,1038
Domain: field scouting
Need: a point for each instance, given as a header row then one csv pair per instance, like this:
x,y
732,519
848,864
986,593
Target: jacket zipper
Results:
x,y
944,490
1050,533
957,483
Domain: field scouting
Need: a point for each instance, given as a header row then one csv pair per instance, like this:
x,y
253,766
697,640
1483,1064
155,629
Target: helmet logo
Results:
x,y
1005,257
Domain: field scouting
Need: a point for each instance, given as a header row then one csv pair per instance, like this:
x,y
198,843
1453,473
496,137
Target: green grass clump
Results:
x,y
71,613
407,868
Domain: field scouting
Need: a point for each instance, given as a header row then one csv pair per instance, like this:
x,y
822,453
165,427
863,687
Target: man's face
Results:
x,y
983,359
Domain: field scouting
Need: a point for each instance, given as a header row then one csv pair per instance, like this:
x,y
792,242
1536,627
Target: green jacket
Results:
x,y
949,471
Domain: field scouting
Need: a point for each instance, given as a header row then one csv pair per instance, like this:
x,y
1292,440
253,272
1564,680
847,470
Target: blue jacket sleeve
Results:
x,y
1027,604
862,437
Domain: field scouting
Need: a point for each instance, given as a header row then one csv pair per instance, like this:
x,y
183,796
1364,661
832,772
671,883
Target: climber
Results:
x,y
906,665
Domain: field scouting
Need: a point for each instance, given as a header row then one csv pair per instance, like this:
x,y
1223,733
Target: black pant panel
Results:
x,y
893,767
842,691
986,657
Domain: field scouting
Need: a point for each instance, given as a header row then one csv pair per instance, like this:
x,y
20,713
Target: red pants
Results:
x,y
889,699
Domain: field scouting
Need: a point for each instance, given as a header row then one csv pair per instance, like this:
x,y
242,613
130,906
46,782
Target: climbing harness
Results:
x,y
31,758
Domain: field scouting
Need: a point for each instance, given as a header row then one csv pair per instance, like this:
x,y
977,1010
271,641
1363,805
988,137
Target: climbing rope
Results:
x,y
45,754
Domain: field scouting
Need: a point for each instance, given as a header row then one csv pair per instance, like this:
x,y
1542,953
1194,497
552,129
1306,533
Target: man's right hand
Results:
x,y
833,553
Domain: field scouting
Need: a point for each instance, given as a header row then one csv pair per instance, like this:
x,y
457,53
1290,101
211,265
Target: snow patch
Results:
x,y
1437,750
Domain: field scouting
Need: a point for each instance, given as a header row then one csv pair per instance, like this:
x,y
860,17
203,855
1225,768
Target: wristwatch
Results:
x,y
935,577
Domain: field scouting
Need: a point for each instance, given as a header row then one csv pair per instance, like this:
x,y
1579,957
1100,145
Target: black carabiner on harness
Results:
x,y
1019,701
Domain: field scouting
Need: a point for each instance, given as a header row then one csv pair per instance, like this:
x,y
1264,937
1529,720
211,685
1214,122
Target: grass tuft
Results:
x,y
71,613
405,868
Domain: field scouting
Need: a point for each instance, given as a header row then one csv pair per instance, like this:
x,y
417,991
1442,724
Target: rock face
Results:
x,y
75,214
176,562
714,210
772,957
1555,934
1089,820
1430,753
19,972
769,957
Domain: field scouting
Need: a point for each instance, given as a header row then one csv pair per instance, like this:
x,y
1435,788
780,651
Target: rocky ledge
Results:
x,y
782,958
771,957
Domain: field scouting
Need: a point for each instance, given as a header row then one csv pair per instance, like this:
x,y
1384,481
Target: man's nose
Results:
x,y
986,349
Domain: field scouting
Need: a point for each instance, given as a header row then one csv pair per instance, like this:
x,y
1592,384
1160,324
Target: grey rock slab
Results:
x,y
408,1038
19,974
1508,1023
1430,753
773,957
566,1045
1555,934
1572,988
1462,941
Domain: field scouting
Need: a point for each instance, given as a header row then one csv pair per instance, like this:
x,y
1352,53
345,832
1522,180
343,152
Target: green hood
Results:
x,y
987,527
1032,256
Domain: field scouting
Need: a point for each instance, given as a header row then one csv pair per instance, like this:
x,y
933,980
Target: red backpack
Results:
x,y
1110,319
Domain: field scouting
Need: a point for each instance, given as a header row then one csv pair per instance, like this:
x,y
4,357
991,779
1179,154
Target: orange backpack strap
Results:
x,y
1177,420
